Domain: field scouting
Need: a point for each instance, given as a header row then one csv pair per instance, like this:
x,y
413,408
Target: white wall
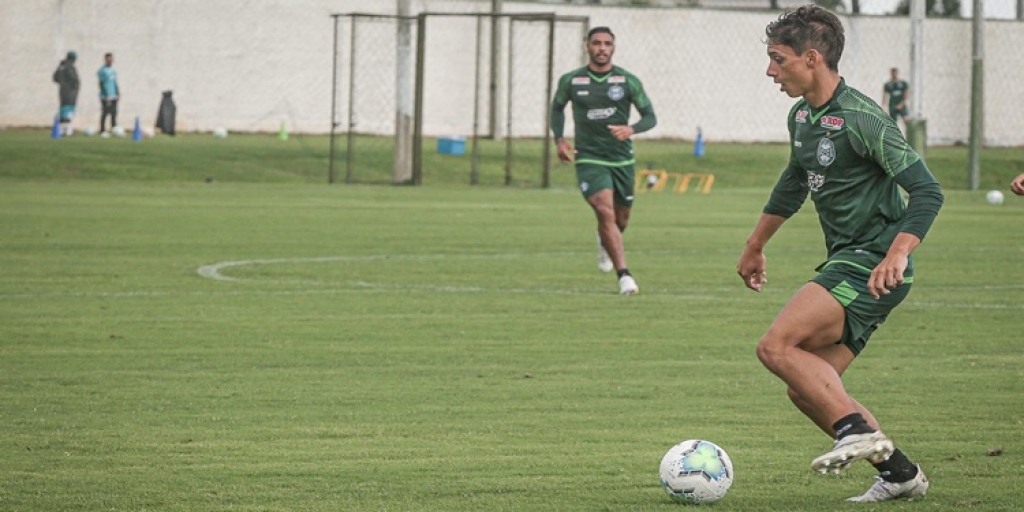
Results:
x,y
250,65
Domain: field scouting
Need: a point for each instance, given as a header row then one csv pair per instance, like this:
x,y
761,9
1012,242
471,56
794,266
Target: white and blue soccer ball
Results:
x,y
696,471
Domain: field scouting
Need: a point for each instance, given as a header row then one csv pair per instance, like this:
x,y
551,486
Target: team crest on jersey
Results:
x,y
815,181
581,80
596,114
616,92
617,79
832,123
801,116
826,152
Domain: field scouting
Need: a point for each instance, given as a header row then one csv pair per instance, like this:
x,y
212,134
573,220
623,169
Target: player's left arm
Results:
x,y
877,137
643,106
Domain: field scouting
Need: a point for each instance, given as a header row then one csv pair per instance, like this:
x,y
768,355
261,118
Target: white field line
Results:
x,y
214,272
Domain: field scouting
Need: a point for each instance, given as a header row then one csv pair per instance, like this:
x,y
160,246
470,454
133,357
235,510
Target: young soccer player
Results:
x,y
601,94
850,157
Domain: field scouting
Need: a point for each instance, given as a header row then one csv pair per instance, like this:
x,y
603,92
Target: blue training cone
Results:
x,y
55,132
137,131
698,147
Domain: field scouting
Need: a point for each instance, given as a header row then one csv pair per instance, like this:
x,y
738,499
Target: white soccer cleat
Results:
x,y
875,447
627,286
885,491
604,261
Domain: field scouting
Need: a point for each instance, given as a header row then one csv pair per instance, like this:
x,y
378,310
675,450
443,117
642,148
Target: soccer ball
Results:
x,y
696,471
994,197
117,131
89,131
220,132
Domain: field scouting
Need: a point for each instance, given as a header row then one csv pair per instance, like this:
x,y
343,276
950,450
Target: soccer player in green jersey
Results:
x,y
896,94
852,160
601,95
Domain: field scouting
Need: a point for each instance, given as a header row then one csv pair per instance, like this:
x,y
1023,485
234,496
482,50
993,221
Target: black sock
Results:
x,y
623,272
897,468
851,424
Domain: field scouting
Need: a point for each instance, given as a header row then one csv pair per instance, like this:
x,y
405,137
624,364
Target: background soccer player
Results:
x,y
850,157
896,94
601,95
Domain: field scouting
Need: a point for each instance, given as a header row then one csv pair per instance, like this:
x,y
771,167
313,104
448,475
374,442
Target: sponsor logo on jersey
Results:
x,y
832,123
582,92
801,116
616,92
581,80
798,144
815,181
584,186
826,152
616,79
596,114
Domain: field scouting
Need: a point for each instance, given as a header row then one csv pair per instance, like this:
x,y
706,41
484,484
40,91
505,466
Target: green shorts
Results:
x,y
849,285
896,113
594,178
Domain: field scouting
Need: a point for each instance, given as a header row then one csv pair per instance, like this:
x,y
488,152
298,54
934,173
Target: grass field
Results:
x,y
265,342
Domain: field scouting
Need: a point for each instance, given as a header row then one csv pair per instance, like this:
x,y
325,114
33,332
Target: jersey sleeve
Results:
x,y
558,104
791,189
925,199
637,93
643,105
876,136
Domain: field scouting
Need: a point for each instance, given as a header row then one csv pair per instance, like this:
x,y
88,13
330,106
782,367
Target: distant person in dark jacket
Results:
x,y
67,77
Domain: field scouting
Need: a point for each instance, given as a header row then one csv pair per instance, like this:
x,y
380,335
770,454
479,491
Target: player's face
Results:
x,y
600,47
789,70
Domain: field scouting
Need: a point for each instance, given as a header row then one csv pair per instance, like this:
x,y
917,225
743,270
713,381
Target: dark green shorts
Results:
x,y
594,178
849,285
896,113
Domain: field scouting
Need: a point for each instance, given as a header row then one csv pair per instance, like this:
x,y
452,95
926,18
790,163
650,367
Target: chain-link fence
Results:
x,y
255,67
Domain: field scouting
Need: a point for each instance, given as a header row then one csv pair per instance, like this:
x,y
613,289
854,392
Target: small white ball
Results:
x,y
220,132
89,131
117,131
994,197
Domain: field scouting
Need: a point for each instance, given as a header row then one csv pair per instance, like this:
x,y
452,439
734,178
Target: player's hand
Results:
x,y
1017,185
566,152
752,269
621,132
887,275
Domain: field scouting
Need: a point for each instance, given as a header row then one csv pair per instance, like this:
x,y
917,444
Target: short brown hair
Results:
x,y
810,27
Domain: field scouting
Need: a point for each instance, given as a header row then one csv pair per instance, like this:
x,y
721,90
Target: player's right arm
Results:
x,y
787,197
753,263
566,152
